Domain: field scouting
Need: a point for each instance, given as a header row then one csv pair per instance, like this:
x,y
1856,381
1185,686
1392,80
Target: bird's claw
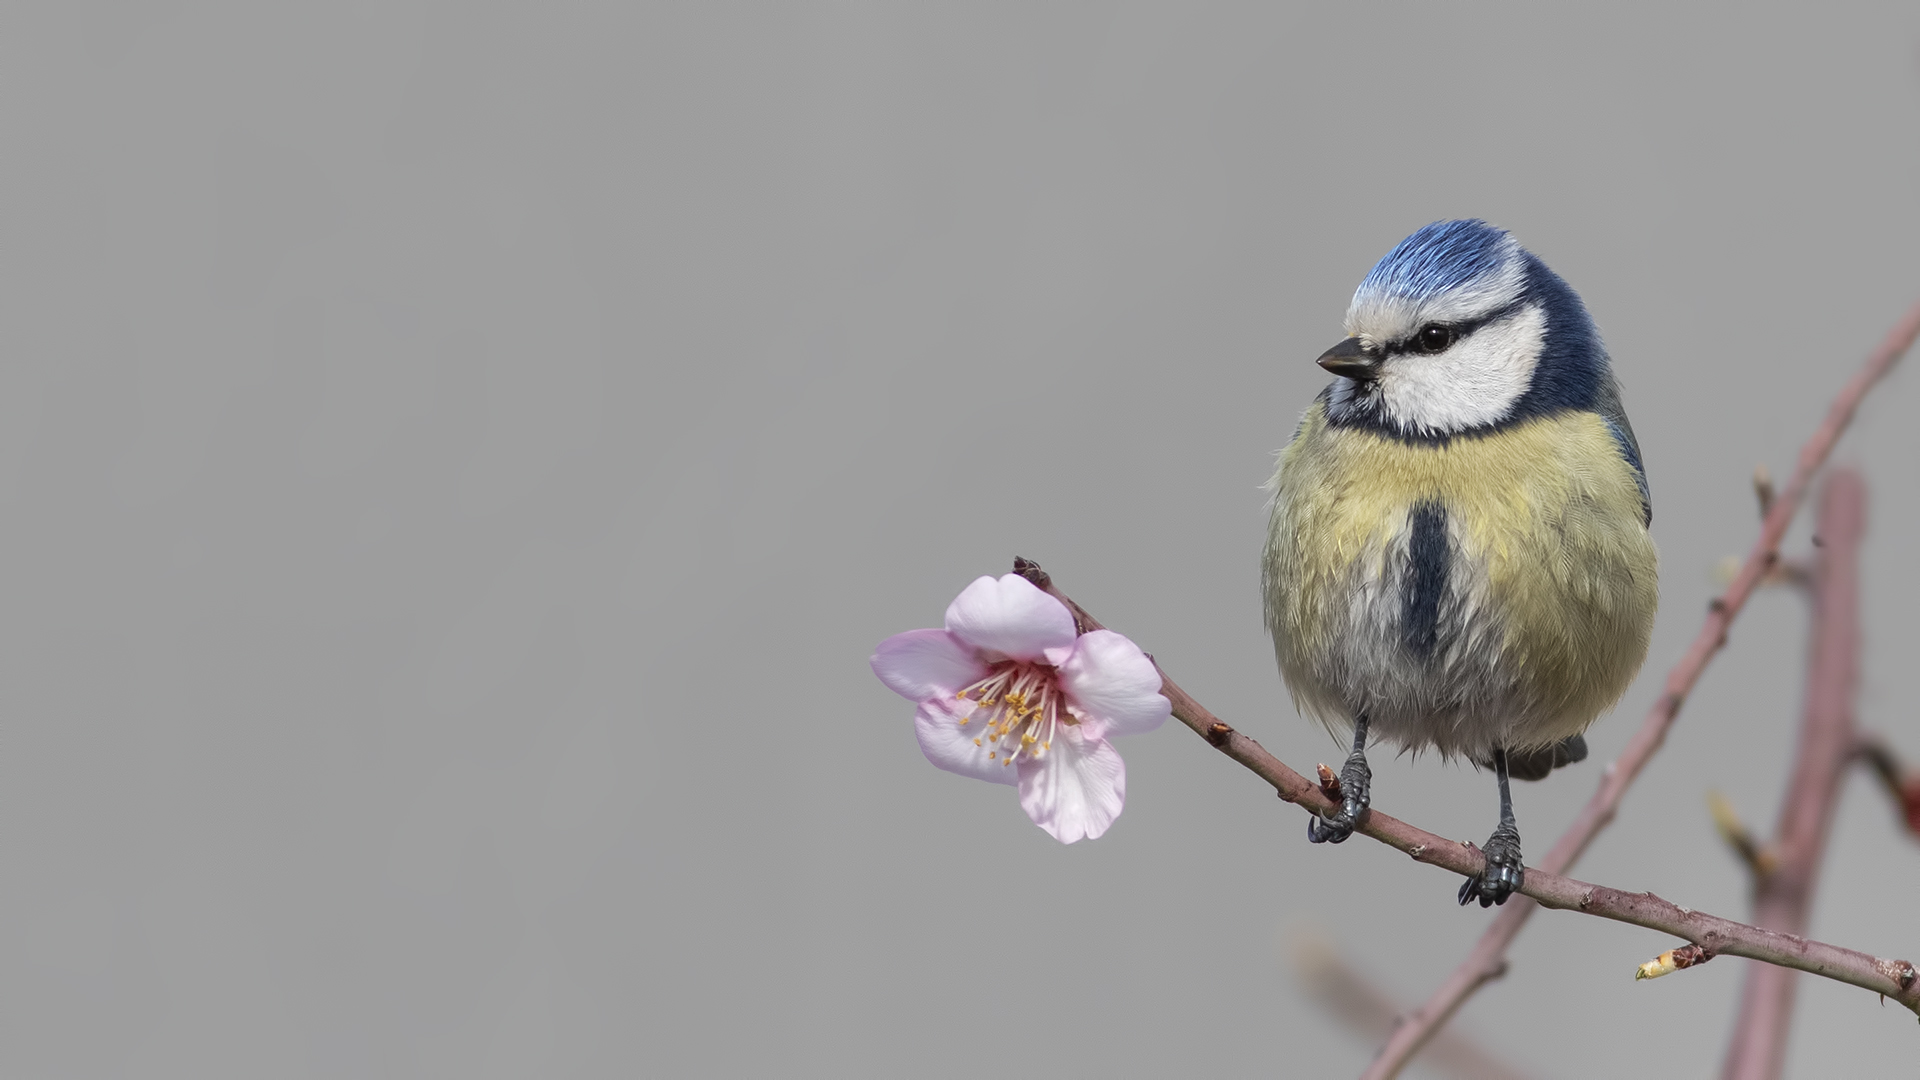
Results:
x,y
1503,874
1355,781
1333,828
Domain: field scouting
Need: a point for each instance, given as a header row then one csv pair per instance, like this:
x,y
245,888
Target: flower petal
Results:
x,y
1077,789
949,744
921,665
1110,679
1011,617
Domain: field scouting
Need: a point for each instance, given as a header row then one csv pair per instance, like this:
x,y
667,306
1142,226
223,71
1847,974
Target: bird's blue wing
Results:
x,y
1607,404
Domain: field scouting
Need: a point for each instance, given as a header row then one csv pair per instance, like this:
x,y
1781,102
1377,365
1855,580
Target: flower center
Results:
x,y
1022,707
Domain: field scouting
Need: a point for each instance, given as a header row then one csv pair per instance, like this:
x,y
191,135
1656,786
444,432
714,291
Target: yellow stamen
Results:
x,y
1023,704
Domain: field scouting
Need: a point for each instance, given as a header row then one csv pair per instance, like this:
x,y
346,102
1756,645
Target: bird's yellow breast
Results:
x,y
1543,518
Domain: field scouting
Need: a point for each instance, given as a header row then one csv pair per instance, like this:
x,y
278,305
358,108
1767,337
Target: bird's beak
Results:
x,y
1349,360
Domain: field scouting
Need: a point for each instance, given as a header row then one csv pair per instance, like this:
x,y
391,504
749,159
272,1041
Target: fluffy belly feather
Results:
x,y
1494,591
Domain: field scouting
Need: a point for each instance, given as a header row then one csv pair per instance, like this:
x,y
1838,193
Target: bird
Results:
x,y
1459,556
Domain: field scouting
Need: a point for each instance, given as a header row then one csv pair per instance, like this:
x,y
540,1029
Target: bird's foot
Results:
x,y
1504,872
1356,783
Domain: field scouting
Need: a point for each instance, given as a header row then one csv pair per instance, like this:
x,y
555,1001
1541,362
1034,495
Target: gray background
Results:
x,y
456,463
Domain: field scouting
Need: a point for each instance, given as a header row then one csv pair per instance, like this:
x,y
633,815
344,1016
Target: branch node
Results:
x,y
1218,733
1673,960
1329,783
1760,859
1030,570
1586,898
1763,489
1902,785
1899,972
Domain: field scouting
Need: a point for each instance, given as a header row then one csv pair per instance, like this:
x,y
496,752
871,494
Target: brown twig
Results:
x,y
1489,953
1896,979
1783,898
1353,999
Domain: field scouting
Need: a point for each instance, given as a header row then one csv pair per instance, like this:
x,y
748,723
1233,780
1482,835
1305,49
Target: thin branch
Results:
x,y
1724,937
1783,899
1896,979
1353,999
1489,953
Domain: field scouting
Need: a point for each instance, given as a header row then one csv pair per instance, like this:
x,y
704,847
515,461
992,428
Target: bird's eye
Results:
x,y
1433,338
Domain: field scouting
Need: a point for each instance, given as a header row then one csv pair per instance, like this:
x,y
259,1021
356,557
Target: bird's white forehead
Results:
x,y
1381,315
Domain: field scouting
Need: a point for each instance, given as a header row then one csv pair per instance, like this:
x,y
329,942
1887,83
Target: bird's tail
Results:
x,y
1536,764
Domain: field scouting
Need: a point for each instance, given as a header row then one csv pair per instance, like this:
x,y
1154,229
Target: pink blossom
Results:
x,y
1009,694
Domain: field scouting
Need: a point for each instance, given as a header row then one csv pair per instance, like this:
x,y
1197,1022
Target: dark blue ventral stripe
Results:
x,y
1425,581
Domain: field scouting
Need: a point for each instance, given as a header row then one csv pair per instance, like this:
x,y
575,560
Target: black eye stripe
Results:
x,y
1458,330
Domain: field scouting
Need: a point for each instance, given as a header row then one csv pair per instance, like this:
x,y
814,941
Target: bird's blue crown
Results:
x,y
1438,259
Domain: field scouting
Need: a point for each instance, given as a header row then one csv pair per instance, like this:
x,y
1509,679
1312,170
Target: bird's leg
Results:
x,y
1356,784
1504,872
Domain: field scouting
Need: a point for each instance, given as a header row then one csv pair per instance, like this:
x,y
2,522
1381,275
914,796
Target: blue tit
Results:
x,y
1458,557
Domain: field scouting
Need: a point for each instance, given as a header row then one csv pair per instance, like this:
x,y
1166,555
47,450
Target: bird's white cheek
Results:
x,y
1474,383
